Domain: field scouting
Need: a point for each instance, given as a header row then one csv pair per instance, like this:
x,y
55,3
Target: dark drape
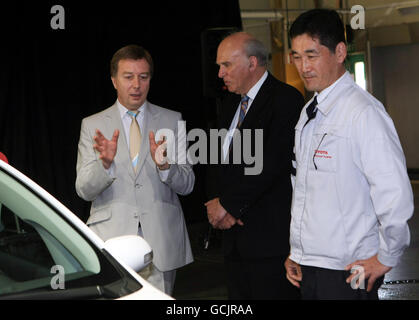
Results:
x,y
51,79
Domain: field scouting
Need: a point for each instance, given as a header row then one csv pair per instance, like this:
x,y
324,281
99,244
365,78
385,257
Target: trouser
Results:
x,y
255,279
327,284
162,280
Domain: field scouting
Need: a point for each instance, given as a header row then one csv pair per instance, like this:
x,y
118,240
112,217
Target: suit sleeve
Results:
x,y
180,177
92,178
278,142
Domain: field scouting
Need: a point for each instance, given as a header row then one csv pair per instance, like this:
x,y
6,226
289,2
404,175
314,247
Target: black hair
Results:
x,y
323,24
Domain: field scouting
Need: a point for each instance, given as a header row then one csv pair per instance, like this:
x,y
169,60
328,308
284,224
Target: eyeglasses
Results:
x,y
315,151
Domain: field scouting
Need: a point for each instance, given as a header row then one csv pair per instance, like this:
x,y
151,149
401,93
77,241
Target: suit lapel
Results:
x,y
258,104
149,124
255,112
113,120
230,108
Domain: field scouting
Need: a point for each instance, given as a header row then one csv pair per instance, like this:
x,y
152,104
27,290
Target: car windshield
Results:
x,y
43,256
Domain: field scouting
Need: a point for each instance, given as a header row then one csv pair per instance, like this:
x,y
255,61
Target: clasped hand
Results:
x,y
219,217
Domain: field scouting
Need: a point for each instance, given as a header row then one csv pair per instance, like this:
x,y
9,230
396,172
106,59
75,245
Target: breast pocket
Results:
x,y
326,143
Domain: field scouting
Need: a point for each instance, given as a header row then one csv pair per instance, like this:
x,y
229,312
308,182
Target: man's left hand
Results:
x,y
227,222
158,151
372,269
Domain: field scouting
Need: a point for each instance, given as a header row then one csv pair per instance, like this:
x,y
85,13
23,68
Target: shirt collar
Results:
x,y
255,89
322,96
123,110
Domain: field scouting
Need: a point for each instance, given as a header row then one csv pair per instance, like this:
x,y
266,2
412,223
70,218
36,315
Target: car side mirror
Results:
x,y
132,250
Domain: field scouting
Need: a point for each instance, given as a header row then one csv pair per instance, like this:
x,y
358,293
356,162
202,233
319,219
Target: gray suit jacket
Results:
x,y
122,201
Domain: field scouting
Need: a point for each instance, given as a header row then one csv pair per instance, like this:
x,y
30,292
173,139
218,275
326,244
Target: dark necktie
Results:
x,y
311,110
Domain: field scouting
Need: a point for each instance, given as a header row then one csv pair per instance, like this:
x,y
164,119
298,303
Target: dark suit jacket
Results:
x,y
262,202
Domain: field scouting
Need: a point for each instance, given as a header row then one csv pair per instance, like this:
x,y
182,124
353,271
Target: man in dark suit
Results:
x,y
254,209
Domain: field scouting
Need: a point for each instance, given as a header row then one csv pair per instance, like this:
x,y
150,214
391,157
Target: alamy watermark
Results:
x,y
242,147
358,281
58,20
58,281
358,20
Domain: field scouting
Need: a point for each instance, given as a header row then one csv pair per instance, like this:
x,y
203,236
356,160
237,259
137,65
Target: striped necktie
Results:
x,y
134,139
243,107
311,110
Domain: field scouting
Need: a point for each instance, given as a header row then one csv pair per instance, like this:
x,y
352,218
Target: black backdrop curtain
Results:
x,y
51,79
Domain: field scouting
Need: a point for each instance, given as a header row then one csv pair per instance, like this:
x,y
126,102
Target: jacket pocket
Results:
x,y
326,142
100,215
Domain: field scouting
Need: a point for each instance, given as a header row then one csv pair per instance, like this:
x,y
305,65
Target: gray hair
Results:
x,y
254,47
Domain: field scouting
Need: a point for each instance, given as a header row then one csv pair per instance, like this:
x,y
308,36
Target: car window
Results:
x,y
41,250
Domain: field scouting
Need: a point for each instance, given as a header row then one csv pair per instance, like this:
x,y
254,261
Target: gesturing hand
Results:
x,y
158,151
106,148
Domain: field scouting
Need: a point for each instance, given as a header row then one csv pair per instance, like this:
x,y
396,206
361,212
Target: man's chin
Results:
x,y
134,105
310,87
232,90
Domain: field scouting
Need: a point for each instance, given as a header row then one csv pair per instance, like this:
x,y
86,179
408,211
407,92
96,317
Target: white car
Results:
x,y
46,252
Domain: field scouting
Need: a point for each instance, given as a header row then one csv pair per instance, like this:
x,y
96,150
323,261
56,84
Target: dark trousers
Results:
x,y
258,279
327,284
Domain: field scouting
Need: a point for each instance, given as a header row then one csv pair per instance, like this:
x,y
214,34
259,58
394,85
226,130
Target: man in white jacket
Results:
x,y
351,193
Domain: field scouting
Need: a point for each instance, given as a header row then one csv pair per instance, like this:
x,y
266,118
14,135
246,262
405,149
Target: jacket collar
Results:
x,y
328,97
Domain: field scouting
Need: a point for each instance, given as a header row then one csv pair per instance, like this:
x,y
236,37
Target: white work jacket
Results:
x,y
351,193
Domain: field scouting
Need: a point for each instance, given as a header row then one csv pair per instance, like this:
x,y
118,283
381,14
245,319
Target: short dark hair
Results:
x,y
134,52
323,24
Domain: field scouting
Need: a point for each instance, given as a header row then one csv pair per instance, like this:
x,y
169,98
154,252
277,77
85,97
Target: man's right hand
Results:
x,y
294,274
106,148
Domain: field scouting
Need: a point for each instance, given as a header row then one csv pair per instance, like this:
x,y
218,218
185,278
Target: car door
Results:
x,y
43,256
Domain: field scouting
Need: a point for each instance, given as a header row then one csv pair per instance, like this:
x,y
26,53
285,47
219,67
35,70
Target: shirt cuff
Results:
x,y
111,171
389,261
164,174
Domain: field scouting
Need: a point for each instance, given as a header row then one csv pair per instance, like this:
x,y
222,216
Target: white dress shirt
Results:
x,y
126,118
126,123
252,95
351,193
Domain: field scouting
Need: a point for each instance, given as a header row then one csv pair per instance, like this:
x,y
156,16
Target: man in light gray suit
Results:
x,y
136,193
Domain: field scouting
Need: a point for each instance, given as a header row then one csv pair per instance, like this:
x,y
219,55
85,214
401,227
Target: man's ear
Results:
x,y
253,62
341,52
113,82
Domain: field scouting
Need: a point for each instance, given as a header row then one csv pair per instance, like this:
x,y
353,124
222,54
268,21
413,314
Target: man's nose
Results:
x,y
221,72
306,66
136,82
